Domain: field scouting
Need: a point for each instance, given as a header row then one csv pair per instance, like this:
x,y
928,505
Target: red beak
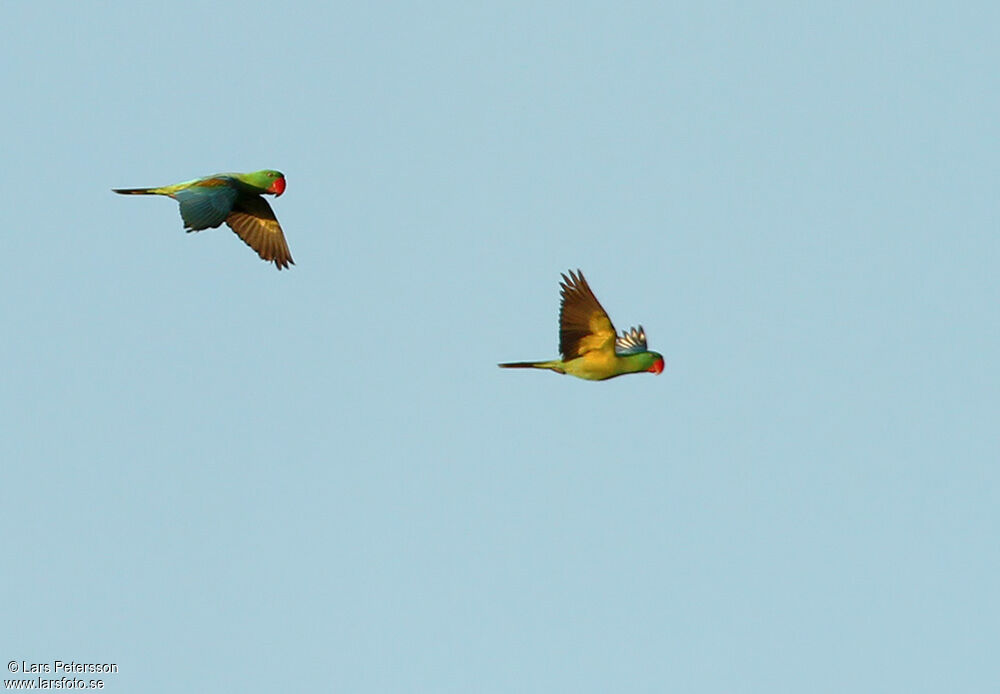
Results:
x,y
278,187
657,367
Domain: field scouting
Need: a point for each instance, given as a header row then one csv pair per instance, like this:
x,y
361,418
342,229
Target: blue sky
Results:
x,y
222,477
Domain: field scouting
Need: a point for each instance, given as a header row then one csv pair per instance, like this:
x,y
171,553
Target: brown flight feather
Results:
x,y
253,221
583,323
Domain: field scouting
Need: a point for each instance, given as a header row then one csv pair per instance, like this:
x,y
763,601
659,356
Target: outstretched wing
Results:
x,y
583,323
206,204
253,221
631,342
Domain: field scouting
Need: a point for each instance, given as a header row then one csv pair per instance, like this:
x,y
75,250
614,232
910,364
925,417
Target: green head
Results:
x,y
639,362
268,180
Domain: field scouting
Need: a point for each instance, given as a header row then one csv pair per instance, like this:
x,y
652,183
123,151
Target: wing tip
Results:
x,y
281,263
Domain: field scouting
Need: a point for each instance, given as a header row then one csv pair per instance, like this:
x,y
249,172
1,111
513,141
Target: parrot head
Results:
x,y
277,183
657,367
265,181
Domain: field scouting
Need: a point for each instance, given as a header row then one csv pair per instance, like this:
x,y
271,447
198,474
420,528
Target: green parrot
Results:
x,y
235,199
589,345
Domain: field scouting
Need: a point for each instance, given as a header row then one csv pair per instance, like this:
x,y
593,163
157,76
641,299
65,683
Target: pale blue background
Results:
x,y
226,478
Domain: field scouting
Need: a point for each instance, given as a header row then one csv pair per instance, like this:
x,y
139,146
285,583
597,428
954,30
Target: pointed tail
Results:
x,y
553,365
135,191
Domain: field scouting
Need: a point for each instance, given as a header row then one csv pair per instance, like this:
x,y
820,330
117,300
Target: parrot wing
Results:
x,y
631,342
583,323
207,203
253,221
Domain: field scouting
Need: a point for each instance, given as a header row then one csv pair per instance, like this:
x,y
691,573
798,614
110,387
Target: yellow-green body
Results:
x,y
590,347
254,183
594,365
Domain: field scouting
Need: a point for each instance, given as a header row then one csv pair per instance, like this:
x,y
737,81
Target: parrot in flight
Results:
x,y
235,199
590,347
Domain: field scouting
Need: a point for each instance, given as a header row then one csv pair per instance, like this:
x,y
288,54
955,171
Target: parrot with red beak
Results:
x,y
235,199
590,347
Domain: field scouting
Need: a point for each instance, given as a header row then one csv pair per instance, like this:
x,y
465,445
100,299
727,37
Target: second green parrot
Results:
x,y
590,347
235,199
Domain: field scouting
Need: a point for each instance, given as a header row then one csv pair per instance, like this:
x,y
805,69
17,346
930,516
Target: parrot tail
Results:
x,y
553,365
134,191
